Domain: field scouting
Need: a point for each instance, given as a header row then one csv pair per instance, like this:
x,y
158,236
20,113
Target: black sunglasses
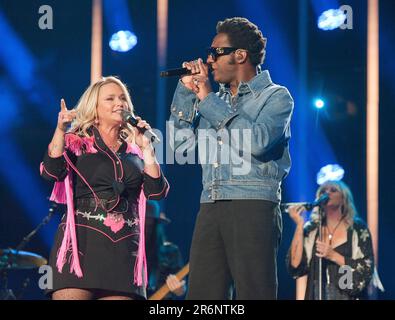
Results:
x,y
220,51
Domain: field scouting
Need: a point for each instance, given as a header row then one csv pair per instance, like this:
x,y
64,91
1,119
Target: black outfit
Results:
x,y
358,254
107,237
231,238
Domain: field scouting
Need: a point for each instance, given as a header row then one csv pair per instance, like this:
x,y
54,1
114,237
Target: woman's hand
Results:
x,y
324,250
151,165
65,117
295,213
141,140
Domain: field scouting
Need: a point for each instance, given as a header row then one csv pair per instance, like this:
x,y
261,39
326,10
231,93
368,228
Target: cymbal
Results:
x,y
12,259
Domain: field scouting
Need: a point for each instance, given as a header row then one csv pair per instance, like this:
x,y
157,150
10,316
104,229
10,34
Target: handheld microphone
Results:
x,y
175,72
129,118
323,199
308,205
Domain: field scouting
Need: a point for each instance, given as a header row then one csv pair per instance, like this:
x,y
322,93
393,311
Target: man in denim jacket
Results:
x,y
243,134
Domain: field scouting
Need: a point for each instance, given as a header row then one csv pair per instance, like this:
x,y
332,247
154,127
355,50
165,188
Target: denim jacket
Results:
x,y
243,141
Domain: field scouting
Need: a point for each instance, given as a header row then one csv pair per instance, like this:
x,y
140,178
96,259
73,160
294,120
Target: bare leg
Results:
x,y
115,298
112,295
72,294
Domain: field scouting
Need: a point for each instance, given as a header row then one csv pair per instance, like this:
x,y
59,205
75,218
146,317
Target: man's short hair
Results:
x,y
243,34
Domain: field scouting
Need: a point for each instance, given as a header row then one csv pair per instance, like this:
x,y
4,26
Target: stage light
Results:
x,y
319,103
331,19
123,41
331,172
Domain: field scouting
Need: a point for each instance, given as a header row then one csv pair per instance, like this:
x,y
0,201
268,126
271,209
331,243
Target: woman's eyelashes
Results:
x,y
113,98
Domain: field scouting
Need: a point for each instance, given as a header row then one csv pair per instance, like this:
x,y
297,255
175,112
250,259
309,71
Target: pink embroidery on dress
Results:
x,y
115,222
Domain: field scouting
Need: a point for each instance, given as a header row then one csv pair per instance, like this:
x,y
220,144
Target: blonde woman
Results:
x,y
346,242
104,170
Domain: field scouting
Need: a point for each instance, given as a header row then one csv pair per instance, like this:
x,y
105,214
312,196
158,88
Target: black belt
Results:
x,y
102,203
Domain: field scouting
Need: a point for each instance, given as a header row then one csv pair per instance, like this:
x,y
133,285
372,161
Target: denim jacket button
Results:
x,y
174,109
180,113
216,165
209,196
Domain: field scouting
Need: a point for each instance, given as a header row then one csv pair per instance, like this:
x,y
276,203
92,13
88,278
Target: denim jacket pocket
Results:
x,y
254,172
267,170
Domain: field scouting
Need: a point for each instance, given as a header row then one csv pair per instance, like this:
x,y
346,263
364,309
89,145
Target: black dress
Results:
x,y
358,255
108,232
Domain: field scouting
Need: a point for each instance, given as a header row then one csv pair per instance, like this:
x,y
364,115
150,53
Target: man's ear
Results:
x,y
241,56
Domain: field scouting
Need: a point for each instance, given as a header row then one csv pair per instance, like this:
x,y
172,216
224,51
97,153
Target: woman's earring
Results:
x,y
96,121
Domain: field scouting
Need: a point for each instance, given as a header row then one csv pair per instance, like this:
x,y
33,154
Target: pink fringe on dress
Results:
x,y
69,242
77,144
59,193
133,148
140,267
74,143
89,142
62,192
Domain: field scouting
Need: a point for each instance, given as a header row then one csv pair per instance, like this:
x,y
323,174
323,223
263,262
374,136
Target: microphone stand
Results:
x,y
323,199
320,259
26,239
320,220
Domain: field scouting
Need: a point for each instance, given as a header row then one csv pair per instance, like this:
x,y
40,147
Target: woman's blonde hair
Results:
x,y
87,109
347,208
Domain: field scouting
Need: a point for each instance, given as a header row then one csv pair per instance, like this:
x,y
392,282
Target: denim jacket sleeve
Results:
x,y
183,114
269,127
182,107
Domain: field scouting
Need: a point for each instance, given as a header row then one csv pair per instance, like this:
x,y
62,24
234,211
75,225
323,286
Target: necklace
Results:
x,y
331,233
113,146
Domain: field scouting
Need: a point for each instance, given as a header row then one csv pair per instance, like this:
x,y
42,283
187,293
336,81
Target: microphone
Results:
x,y
129,118
323,199
175,72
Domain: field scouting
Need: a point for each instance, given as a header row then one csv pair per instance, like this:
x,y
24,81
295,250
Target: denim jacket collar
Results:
x,y
255,85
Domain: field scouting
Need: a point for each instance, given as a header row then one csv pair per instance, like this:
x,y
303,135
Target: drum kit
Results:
x,y
16,259
11,259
